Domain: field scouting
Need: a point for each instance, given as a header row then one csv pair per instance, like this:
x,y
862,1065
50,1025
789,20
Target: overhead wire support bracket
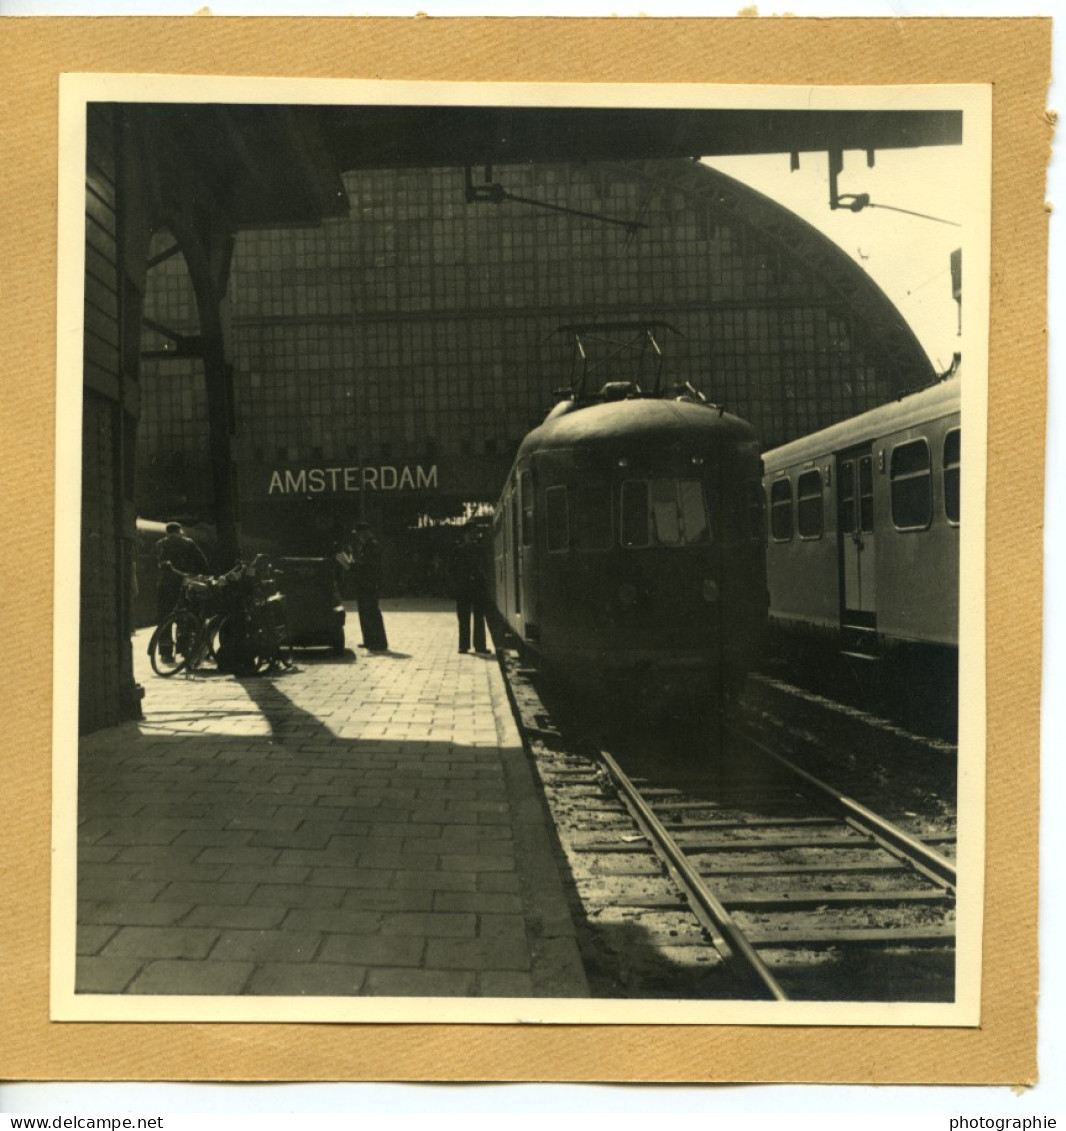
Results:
x,y
492,192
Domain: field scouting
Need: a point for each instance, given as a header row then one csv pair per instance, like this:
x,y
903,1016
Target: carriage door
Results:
x,y
855,495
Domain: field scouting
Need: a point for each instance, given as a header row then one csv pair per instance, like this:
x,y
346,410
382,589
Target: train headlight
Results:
x,y
627,595
710,590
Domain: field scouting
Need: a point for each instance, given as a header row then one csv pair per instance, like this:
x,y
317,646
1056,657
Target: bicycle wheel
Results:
x,y
172,643
196,645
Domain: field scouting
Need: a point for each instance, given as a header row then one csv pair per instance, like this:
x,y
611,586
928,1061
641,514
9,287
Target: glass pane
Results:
x,y
635,513
912,496
693,511
558,518
847,497
952,449
866,494
781,510
910,458
592,516
665,513
809,504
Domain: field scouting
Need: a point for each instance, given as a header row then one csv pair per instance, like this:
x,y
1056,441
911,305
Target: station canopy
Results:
x,y
282,165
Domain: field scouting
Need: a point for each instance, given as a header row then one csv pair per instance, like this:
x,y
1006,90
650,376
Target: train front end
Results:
x,y
637,557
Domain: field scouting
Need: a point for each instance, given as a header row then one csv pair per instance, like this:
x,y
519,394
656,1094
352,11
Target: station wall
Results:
x,y
419,332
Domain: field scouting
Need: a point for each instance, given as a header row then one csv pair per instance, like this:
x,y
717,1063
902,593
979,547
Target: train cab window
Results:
x,y
636,526
781,510
664,512
525,494
912,486
952,452
809,518
557,519
592,515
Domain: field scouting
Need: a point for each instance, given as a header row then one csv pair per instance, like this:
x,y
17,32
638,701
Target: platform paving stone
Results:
x,y
171,977
357,826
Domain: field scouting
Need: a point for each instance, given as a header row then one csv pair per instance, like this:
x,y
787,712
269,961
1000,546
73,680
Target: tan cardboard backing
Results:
x,y
1013,55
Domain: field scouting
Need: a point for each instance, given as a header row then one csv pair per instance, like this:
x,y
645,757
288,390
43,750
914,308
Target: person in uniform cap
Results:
x,y
177,555
366,566
466,572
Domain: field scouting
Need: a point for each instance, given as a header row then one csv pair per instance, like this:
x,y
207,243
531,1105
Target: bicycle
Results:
x,y
253,637
182,641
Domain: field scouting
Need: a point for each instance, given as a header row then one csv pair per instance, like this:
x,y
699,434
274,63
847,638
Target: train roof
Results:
x,y
932,403
648,419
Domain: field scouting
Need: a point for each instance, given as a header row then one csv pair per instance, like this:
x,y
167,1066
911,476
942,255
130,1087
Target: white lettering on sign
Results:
x,y
346,480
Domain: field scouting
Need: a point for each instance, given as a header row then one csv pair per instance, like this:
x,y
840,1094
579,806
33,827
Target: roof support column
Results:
x,y
208,249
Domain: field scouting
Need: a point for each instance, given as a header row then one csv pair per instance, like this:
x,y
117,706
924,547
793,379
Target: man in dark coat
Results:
x,y
177,555
366,566
466,572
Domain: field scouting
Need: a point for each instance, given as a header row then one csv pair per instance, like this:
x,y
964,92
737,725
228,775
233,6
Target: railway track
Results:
x,y
743,878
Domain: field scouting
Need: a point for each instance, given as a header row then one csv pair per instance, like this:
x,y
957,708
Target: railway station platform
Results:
x,y
364,824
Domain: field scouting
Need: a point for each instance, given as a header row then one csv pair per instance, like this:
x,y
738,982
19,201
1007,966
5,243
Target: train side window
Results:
x,y
781,510
525,489
557,519
912,486
809,518
636,527
952,462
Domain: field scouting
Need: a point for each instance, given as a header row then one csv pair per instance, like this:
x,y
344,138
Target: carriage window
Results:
x,y
781,510
557,519
525,493
664,512
952,446
809,504
592,516
912,488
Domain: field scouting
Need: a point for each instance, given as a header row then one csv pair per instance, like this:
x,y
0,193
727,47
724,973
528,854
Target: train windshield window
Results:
x,y
592,516
781,510
664,512
952,448
636,529
693,512
809,504
557,516
912,487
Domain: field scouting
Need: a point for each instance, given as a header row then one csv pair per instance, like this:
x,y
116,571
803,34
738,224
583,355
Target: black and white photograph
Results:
x,y
526,552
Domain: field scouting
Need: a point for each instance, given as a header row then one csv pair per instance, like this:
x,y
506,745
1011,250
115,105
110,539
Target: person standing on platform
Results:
x,y
366,565
177,555
466,570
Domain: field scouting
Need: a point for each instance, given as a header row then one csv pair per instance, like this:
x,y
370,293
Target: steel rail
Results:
x,y
915,850
703,900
